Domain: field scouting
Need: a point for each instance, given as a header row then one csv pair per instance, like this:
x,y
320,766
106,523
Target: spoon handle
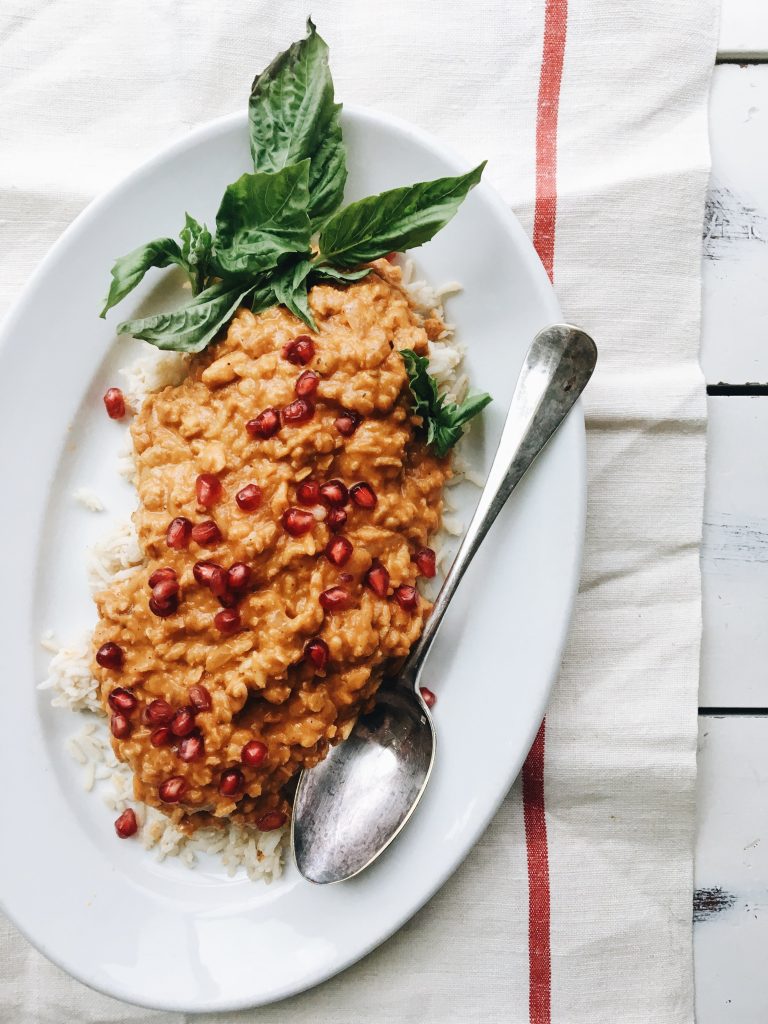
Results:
x,y
556,370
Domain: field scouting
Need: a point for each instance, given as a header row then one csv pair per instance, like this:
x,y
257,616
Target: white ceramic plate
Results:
x,y
157,933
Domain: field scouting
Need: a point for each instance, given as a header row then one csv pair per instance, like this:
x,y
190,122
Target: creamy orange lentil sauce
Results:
x,y
262,684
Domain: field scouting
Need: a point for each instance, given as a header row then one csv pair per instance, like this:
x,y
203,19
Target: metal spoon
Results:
x,y
352,805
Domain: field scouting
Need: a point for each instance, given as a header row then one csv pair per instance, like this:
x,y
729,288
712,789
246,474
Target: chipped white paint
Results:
x,y
743,29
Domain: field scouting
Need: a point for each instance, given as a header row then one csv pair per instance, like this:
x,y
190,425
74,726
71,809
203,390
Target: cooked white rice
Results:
x,y
259,854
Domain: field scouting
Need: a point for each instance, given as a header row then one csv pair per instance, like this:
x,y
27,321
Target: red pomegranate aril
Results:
x,y
335,599
306,384
227,621
206,533
218,582
161,736
126,825
192,748
336,520
407,597
377,578
265,425
165,591
297,522
253,753
200,698
347,423
299,350
158,712
249,498
308,492
114,403
163,608
391,257
183,722
120,726
426,562
229,600
110,655
271,820
203,571
159,575
346,577
427,696
231,782
317,651
298,411
122,700
172,790
238,576
335,493
208,489
338,551
363,495
179,533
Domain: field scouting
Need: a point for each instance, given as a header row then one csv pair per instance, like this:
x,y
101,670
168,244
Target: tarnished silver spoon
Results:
x,y
352,805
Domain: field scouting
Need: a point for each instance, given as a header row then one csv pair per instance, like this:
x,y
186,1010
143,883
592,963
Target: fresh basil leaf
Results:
x,y
196,246
192,327
393,221
293,117
263,296
262,218
291,291
443,421
131,268
328,273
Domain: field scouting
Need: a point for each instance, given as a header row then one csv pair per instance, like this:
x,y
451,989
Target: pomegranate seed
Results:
x,y
336,520
192,748
218,583
231,782
363,495
335,493
306,385
317,652
407,597
200,698
426,562
249,498
126,825
122,700
165,608
271,820
338,551
183,722
114,403
238,576
265,425
345,577
308,492
172,790
253,753
165,591
297,522
347,423
204,572
206,533
299,351
377,578
158,712
110,655
120,726
391,257
161,736
227,621
179,532
336,599
208,489
229,600
159,575
298,411
427,696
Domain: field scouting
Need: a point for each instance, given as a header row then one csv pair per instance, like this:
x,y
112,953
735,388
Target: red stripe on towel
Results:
x,y
544,223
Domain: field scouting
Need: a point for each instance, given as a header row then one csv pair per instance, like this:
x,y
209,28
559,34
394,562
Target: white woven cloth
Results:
x,y
88,90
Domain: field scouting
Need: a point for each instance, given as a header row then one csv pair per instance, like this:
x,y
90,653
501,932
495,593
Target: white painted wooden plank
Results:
x,y
735,268
743,29
731,907
734,556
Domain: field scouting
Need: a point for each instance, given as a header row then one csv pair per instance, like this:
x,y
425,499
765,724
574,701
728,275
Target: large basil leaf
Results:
x,y
320,272
130,269
192,327
402,218
262,218
291,291
293,117
196,245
